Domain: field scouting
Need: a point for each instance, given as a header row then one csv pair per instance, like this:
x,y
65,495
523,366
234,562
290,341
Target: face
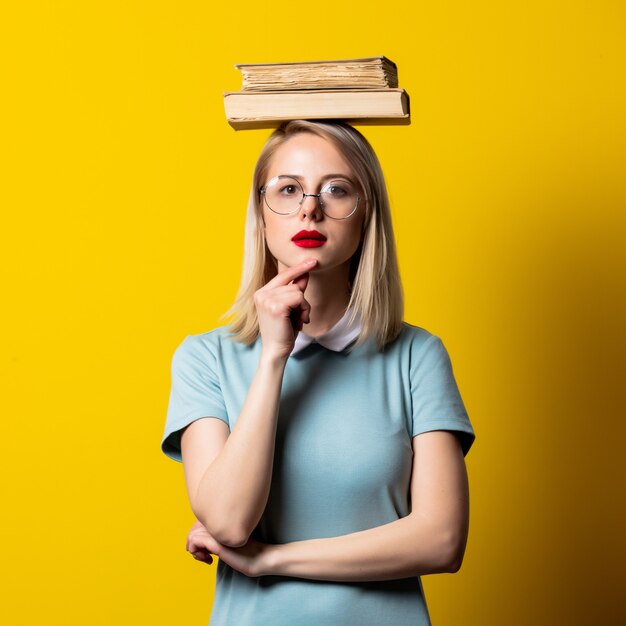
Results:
x,y
314,162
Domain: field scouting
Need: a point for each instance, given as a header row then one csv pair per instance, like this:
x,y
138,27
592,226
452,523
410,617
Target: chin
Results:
x,y
289,260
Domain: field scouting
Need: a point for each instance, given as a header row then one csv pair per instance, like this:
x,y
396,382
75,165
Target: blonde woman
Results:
x,y
322,437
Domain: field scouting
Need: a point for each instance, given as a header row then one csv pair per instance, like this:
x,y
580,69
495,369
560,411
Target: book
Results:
x,y
267,109
366,73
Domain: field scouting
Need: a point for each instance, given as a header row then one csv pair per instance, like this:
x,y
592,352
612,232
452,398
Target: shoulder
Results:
x,y
206,339
415,333
416,338
420,347
206,347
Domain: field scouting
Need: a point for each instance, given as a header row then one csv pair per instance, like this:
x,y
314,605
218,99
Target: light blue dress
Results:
x,y
342,462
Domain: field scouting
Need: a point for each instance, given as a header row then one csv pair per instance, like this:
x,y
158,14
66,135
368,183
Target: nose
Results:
x,y
314,206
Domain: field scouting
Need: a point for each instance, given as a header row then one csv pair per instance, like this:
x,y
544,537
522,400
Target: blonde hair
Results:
x,y
375,287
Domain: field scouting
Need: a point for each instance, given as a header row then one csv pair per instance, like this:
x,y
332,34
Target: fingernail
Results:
x,y
311,262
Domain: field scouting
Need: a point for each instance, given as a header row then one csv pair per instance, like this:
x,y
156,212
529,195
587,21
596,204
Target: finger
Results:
x,y
206,543
205,557
302,282
192,546
189,545
198,550
291,273
303,311
300,315
296,321
305,315
283,303
299,309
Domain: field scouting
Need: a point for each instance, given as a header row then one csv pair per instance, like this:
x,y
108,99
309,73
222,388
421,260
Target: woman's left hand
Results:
x,y
251,559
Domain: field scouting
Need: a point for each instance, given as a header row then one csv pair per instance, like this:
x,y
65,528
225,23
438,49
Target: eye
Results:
x,y
289,190
338,189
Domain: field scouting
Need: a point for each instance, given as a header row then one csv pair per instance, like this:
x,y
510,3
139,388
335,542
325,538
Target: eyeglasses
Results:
x,y
284,195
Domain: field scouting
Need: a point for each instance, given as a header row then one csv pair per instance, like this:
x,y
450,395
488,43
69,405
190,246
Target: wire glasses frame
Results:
x,y
273,181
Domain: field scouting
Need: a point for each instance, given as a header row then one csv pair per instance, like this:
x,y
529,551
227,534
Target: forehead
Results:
x,y
309,156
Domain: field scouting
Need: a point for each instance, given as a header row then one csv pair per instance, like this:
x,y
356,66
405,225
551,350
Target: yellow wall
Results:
x,y
123,193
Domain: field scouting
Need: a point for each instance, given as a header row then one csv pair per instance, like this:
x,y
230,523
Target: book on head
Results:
x,y
268,109
363,91
366,73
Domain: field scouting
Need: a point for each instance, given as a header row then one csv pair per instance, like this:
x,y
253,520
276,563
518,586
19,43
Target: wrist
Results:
x,y
273,359
272,562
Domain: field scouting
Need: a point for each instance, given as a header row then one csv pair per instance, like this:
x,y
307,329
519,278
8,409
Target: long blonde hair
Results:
x,y
375,287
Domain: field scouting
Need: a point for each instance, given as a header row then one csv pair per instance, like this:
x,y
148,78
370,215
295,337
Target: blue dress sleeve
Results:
x,y
436,400
195,392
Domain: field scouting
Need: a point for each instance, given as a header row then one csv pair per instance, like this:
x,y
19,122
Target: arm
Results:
x,y
228,476
429,540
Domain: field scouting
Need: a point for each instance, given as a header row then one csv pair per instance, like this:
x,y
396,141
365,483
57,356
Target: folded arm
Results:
x,y
228,476
431,539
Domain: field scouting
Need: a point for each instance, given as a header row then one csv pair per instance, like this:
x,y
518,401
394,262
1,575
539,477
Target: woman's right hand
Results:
x,y
282,308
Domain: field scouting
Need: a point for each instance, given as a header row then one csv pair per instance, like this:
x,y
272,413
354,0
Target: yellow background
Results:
x,y
123,192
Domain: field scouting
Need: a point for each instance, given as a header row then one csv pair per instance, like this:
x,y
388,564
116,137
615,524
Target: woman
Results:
x,y
330,472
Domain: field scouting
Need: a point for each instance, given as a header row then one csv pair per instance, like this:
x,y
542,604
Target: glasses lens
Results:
x,y
283,195
339,199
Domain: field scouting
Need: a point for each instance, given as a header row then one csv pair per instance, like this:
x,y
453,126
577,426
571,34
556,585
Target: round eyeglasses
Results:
x,y
284,195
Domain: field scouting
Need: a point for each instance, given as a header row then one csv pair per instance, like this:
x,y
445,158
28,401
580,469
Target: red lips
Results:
x,y
308,234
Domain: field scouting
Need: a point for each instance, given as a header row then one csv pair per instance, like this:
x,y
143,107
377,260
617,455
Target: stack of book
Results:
x,y
362,91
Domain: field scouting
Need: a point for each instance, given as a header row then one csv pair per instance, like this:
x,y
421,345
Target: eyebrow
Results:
x,y
326,177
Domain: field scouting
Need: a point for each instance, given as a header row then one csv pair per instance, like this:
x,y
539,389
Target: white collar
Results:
x,y
340,336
